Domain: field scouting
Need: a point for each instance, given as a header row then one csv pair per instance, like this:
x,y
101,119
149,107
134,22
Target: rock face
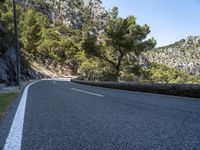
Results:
x,y
8,61
8,68
183,55
68,12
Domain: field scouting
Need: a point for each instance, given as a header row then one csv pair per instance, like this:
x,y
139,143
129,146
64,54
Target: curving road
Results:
x,y
60,115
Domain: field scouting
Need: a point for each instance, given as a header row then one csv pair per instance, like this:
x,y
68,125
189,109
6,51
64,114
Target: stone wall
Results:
x,y
187,90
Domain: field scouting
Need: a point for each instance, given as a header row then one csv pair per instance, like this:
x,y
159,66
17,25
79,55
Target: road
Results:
x,y
61,115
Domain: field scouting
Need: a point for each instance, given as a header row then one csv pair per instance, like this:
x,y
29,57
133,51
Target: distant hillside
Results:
x,y
182,55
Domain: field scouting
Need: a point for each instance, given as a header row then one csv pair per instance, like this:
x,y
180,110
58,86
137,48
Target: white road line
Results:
x,y
14,139
87,92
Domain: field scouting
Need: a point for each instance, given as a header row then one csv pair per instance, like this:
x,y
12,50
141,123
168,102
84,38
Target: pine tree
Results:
x,y
120,38
31,28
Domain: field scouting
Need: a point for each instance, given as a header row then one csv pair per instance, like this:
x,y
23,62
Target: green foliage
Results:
x,y
90,69
6,14
100,51
162,74
5,100
42,41
120,37
75,3
6,26
32,26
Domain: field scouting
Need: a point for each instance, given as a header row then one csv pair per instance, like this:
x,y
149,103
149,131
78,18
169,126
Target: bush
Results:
x,y
157,73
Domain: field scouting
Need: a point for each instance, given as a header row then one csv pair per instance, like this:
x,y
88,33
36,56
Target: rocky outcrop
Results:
x,y
183,55
8,70
8,61
68,12
30,73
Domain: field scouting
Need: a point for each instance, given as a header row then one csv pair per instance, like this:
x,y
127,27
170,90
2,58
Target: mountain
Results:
x,y
67,12
71,13
53,36
182,55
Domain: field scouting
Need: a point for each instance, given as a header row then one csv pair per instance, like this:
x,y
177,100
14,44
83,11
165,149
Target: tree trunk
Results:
x,y
55,65
49,63
117,73
62,64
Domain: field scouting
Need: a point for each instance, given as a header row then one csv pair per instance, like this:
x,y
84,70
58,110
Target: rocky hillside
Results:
x,y
68,12
183,55
54,40
35,70
8,63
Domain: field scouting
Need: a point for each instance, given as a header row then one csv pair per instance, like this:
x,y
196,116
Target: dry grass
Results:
x,y
5,101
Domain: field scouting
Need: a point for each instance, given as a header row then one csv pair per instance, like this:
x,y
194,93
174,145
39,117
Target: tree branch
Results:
x,y
108,60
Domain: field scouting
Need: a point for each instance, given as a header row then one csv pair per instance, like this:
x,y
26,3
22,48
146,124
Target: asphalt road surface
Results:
x,y
60,115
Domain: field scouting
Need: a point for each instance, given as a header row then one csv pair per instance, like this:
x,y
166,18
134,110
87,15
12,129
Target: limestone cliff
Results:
x,y
182,55
68,12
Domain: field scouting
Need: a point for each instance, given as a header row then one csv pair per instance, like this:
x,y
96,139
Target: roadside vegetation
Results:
x,y
101,52
157,73
5,100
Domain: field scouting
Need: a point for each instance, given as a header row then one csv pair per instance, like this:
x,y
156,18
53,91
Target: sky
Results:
x,y
169,20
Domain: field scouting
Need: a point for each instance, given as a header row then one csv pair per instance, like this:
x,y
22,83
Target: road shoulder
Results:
x,y
7,118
